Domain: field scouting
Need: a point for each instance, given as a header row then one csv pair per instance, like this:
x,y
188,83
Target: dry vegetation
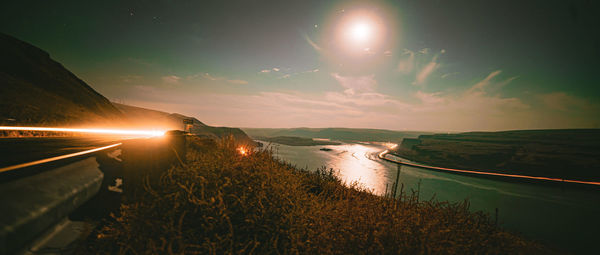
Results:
x,y
221,202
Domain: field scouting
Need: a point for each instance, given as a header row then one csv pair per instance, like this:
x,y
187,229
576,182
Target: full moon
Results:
x,y
360,32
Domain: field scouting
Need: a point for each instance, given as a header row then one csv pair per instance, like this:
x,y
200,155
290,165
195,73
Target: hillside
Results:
x,y
340,134
571,154
34,89
143,117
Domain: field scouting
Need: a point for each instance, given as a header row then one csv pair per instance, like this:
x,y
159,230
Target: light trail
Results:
x,y
384,153
88,130
42,161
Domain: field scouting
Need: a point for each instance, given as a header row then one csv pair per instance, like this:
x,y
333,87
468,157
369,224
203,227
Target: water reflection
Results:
x,y
575,225
359,163
352,162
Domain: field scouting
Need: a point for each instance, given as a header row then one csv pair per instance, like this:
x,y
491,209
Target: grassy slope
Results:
x,y
571,154
222,202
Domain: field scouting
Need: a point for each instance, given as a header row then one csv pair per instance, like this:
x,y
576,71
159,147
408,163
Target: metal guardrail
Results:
x,y
35,203
31,205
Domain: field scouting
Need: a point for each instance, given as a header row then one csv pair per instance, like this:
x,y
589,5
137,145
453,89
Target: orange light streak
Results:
x,y
88,130
382,156
42,161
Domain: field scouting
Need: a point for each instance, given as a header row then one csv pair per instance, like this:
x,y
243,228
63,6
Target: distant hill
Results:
x,y
34,89
340,134
296,141
138,116
143,117
567,153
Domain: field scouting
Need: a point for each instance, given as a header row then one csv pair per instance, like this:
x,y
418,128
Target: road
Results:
x,y
383,155
16,151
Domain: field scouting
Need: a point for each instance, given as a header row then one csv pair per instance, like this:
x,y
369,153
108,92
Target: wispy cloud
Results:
x,y
289,75
210,77
357,103
356,84
411,61
407,62
485,82
274,69
241,82
446,75
426,71
429,98
172,79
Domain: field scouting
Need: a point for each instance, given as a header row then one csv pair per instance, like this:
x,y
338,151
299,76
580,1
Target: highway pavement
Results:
x,y
15,151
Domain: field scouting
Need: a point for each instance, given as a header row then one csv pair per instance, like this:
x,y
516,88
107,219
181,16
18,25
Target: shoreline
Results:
x,y
494,175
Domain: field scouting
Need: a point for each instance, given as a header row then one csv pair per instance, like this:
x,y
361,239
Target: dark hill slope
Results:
x,y
153,118
143,117
34,89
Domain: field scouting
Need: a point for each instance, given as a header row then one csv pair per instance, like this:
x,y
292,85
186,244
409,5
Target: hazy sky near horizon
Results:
x,y
402,65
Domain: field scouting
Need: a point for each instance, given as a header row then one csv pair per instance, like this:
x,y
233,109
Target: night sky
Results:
x,y
415,65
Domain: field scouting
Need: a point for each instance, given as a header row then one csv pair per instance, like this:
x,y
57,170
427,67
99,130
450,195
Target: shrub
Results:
x,y
222,202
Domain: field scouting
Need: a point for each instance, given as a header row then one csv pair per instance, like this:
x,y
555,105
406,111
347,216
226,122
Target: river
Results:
x,y
567,218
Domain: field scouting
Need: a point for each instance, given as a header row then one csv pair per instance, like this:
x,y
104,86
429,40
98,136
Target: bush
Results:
x,y
222,202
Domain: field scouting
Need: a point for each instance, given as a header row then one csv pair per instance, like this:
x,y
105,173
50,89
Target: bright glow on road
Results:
x,y
88,130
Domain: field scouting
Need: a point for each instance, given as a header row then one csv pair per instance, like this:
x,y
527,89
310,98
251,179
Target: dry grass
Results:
x,y
223,203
